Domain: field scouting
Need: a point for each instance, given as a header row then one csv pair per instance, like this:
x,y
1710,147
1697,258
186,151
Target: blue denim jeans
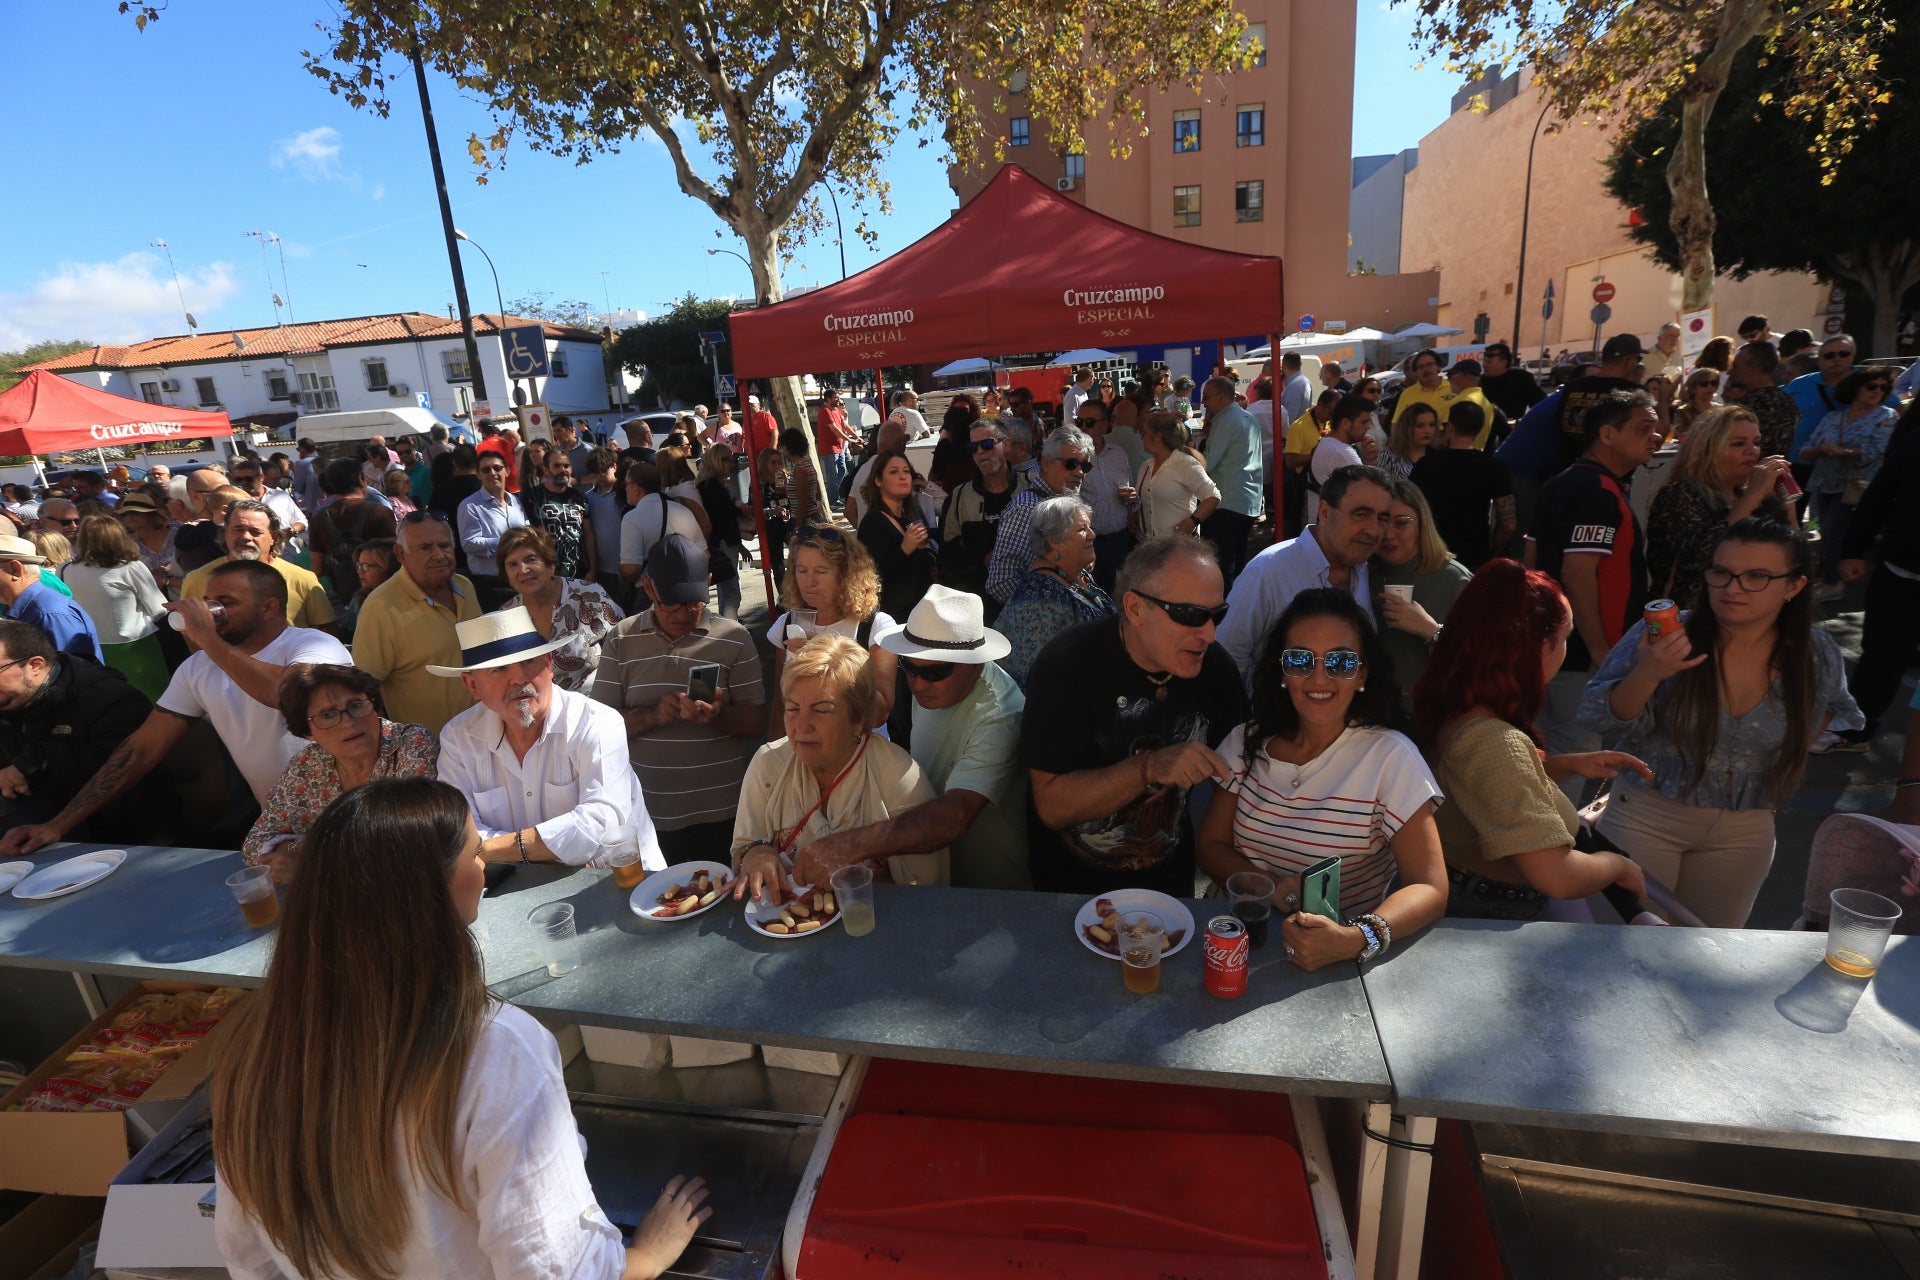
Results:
x,y
833,468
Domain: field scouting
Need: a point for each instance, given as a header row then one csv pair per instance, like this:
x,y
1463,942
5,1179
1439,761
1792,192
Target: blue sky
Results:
x,y
207,127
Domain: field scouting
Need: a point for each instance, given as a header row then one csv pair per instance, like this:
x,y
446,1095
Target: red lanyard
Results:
x,y
820,805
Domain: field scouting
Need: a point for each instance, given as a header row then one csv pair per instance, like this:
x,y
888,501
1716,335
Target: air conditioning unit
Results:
x,y
1065,184
168,384
398,390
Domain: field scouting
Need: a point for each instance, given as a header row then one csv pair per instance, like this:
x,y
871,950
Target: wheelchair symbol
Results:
x,y
526,352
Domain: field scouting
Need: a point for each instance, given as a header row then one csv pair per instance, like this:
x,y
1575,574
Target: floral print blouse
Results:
x,y
1040,608
583,616
311,783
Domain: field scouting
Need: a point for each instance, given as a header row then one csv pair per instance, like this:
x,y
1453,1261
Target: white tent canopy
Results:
x,y
357,424
1086,355
961,368
1425,330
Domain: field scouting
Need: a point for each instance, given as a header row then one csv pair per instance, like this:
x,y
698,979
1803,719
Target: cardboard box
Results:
x,y
624,1048
77,1153
48,1230
818,1061
690,1051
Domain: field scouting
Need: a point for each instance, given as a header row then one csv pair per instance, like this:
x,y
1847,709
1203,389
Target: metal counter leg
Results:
x,y
90,994
1408,1169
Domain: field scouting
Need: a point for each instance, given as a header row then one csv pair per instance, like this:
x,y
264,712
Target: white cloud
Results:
x,y
313,154
123,301
379,191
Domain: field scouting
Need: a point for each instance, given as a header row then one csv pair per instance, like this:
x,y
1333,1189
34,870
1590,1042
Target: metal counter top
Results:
x,y
1714,1034
967,976
971,977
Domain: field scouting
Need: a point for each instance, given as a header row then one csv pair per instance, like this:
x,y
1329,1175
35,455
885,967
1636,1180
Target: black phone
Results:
x,y
703,682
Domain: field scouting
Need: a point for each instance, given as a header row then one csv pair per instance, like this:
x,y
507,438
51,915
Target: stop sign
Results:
x,y
1603,292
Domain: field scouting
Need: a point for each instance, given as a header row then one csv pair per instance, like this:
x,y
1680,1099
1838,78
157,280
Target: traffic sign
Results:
x,y
1601,313
525,349
1546,309
1603,292
713,337
1835,324
724,384
1306,324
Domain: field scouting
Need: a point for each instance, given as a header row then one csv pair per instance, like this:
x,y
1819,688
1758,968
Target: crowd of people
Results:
x,y
1056,663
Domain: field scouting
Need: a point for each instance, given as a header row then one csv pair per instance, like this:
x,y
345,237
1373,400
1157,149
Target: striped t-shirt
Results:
x,y
1352,799
689,773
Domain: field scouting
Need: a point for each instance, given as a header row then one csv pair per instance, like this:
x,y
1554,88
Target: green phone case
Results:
x,y
1320,889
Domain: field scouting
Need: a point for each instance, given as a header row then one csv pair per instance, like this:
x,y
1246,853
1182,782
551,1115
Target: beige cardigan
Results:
x,y
883,783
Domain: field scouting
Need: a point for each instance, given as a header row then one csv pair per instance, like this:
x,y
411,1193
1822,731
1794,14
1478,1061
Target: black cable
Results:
x,y
1423,1148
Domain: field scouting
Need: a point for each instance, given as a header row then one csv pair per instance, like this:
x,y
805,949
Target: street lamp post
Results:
x,y
839,230
498,299
1526,213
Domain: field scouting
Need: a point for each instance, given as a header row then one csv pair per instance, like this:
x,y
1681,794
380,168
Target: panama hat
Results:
x,y
12,548
496,640
945,626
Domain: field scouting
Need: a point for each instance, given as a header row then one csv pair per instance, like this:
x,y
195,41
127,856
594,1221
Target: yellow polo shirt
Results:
x,y
307,602
401,630
1440,398
1304,435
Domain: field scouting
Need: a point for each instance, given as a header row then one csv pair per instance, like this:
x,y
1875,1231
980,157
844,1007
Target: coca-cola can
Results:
x,y
1226,957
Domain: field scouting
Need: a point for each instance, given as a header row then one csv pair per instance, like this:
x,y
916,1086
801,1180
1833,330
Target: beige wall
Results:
x,y
1306,88
1462,218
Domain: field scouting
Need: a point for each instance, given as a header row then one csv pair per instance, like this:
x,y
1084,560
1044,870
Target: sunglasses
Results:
x,y
820,533
1882,387
1187,615
1341,664
355,709
1836,355
983,446
931,672
1076,464
1089,422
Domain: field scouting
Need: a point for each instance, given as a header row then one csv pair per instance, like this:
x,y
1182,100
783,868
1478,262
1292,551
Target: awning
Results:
x,y
962,368
1019,268
46,414
357,424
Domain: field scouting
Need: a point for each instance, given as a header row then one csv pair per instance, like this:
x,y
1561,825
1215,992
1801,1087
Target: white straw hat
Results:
x,y
946,626
496,640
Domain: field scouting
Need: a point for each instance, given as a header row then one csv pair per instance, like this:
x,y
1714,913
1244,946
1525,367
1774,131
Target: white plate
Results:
x,y
12,873
646,894
756,913
1172,912
71,876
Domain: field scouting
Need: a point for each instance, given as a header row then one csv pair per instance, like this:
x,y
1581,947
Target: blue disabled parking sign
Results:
x,y
525,349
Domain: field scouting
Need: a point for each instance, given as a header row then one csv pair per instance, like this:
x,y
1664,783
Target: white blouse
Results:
x,y
122,601
1171,495
518,1154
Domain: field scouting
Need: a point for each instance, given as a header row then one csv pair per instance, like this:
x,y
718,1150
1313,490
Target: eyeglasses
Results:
x,y
1403,522
983,446
1187,615
1341,664
355,709
422,516
1836,355
1752,580
1076,464
17,662
931,672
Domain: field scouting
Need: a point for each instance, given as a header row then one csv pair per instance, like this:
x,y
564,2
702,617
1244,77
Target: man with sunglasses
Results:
x,y
1814,393
1122,719
1355,505
1108,489
971,519
250,476
407,623
966,734
59,515
1064,463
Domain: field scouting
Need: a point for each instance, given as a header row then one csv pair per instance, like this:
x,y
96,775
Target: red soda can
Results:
x,y
1662,616
1787,487
1226,957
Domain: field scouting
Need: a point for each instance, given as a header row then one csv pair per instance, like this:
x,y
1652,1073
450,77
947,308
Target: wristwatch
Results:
x,y
1434,639
1372,948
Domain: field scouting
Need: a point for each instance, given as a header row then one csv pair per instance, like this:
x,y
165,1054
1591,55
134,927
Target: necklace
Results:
x,y
1159,680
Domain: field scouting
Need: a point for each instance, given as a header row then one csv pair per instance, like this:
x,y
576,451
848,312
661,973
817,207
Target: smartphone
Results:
x,y
703,682
1320,889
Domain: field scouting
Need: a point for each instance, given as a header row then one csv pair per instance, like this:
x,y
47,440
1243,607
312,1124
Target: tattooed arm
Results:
x,y
131,761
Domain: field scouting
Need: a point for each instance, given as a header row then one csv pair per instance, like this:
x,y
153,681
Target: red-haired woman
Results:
x,y
1508,830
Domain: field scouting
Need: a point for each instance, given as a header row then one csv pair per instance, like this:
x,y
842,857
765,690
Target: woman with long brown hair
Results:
x,y
1725,710
377,1115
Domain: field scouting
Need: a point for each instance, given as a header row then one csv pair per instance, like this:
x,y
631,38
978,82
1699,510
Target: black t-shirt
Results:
x,y
1583,394
1585,509
1460,486
1513,392
1090,706
565,518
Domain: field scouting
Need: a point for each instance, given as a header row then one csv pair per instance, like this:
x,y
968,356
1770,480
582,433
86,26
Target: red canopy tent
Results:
x,y
48,414
1019,268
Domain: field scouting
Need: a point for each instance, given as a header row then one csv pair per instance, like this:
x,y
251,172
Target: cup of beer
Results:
x,y
1141,937
253,889
853,891
1858,930
621,849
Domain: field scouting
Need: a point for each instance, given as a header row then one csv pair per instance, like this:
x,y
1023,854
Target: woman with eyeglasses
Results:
x,y
338,709
1725,709
577,612
831,576
378,1113
1058,590
1718,480
1175,492
374,561
1510,834
1320,771
897,534
397,485
1846,450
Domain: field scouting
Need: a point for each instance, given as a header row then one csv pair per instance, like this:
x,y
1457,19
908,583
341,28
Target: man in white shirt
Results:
x,y
1076,395
545,770
1332,552
1348,443
234,681
654,515
906,412
485,517
248,475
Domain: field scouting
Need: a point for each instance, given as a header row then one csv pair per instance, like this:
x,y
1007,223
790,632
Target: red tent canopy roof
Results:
x,y
48,414
1019,268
